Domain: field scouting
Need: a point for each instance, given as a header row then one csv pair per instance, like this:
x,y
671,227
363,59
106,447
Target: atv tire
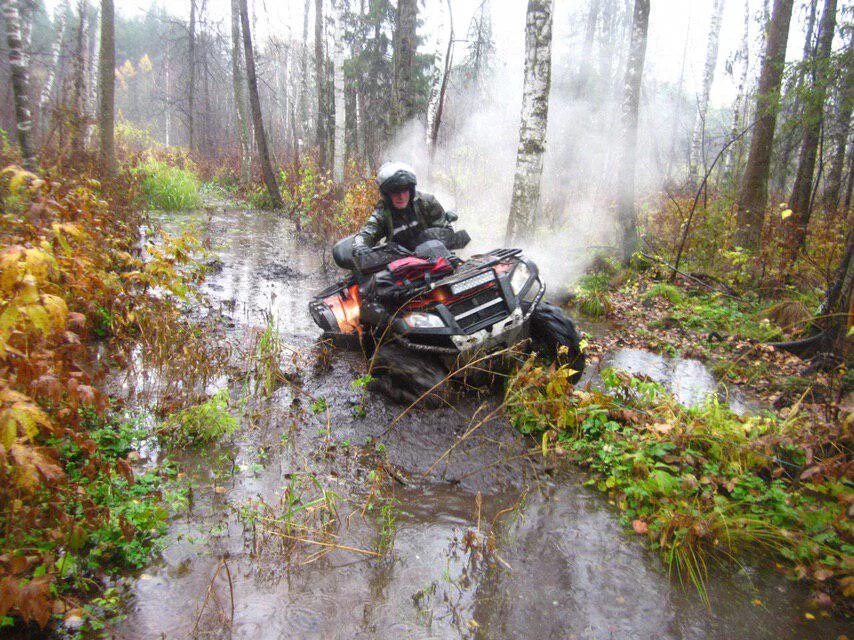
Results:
x,y
404,376
551,329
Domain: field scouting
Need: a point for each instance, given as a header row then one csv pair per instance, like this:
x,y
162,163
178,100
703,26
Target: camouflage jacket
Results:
x,y
381,224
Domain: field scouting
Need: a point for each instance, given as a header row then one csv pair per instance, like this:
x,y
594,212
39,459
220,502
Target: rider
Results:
x,y
402,214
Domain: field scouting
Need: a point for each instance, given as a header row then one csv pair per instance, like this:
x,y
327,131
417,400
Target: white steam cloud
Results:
x,y
474,164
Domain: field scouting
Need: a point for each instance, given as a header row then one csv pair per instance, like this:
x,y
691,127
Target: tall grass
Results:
x,y
168,187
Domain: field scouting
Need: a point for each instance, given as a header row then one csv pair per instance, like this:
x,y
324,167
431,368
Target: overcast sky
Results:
x,y
675,26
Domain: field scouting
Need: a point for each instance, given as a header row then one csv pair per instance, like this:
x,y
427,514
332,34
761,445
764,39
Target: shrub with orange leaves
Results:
x,y
70,269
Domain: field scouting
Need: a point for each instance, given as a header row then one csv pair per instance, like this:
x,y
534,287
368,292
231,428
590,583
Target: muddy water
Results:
x,y
562,566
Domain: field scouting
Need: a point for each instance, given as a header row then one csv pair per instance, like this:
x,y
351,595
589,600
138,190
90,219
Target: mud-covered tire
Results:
x,y
551,329
404,376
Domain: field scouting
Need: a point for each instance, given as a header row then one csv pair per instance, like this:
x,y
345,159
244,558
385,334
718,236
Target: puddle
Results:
x,y
568,569
688,380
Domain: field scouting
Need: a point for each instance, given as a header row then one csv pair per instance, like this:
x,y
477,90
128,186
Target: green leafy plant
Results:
x,y
205,422
699,482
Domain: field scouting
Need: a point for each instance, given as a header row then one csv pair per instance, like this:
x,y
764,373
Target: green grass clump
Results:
x,y
205,422
699,482
169,188
592,298
667,291
724,315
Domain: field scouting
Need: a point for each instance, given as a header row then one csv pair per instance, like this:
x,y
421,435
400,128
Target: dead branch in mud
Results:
x,y
209,593
330,545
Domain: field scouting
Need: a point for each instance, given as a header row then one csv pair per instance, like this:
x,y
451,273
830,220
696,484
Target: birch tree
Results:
x,y
753,196
239,88
19,71
255,105
629,128
339,154
801,200
60,18
92,80
532,129
107,89
739,110
697,143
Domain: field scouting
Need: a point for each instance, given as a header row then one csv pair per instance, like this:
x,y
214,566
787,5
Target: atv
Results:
x,y
421,315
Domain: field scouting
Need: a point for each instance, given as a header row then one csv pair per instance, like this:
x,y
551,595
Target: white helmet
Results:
x,y
395,176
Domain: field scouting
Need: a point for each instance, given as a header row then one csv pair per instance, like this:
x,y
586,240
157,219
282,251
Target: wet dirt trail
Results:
x,y
562,567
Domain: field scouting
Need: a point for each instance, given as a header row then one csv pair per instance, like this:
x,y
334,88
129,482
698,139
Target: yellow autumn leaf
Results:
x,y
785,213
39,263
10,267
545,443
56,310
39,318
24,418
29,291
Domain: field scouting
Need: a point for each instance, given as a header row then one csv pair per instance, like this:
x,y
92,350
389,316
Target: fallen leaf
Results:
x,y
640,527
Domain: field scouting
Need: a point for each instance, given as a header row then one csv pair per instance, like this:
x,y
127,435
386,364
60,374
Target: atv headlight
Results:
x,y
520,277
421,320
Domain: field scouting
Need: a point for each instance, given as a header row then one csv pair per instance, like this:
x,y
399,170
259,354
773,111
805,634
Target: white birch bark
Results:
x,y
338,158
19,72
240,98
739,109
697,142
60,19
532,130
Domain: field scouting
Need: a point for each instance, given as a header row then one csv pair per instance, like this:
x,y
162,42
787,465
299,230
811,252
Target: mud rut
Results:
x,y
561,566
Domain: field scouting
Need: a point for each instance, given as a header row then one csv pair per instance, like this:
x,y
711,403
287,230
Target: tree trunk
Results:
x,y
753,197
629,129
79,90
739,109
586,57
700,128
320,75
255,106
303,94
532,129
191,79
107,90
19,70
239,88
405,45
801,200
92,81
439,80
833,186
339,155
793,89
835,312
60,18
